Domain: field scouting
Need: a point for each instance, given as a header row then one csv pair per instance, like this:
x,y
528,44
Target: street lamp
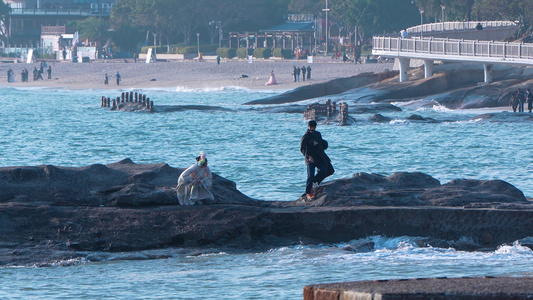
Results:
x,y
421,22
326,10
218,25
443,8
198,41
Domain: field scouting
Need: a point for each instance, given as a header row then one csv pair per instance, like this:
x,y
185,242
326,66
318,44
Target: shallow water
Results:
x,y
260,152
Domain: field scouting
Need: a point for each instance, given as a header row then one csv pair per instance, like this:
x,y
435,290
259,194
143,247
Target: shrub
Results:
x,y
366,47
244,52
285,53
262,52
227,52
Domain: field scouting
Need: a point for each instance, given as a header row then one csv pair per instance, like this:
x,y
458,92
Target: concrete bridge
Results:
x,y
429,48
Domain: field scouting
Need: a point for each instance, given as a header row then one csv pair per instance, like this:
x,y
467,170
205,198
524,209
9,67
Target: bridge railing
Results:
x,y
450,26
452,47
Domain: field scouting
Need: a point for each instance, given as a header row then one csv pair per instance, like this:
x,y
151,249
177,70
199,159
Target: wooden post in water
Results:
x,y
151,106
136,97
122,97
114,105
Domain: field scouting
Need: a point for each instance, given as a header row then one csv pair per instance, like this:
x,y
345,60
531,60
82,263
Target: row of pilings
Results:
x,y
127,97
328,110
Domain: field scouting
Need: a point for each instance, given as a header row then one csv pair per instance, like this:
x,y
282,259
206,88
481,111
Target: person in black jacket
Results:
x,y
313,148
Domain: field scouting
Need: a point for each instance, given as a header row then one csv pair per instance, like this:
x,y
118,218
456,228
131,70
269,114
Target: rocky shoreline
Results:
x,y
52,213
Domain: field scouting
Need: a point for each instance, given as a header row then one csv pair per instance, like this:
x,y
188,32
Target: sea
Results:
x,y
257,147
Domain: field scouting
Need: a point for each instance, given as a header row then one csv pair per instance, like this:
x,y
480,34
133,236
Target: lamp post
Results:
x,y
421,23
443,8
218,25
198,42
327,32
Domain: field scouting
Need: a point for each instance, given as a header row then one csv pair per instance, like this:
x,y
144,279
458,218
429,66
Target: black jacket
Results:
x,y
308,147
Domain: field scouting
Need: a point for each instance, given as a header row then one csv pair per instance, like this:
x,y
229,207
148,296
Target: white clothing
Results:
x,y
190,193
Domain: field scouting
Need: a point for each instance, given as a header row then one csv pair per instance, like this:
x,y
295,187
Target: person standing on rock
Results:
x,y
521,100
529,97
313,148
195,182
513,102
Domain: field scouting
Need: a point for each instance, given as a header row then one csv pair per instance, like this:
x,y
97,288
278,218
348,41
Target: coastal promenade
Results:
x,y
431,48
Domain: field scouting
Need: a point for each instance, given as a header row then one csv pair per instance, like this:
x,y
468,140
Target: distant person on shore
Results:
x,y
521,100
218,59
298,70
49,70
118,78
529,97
294,73
313,148
272,79
195,182
35,73
304,70
106,79
23,75
10,75
513,102
308,72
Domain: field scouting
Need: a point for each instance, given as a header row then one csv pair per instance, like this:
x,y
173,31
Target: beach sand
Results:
x,y
184,74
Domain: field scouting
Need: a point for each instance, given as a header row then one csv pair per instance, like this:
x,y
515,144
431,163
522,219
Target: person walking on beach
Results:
x,y
313,148
529,97
118,78
308,72
298,74
49,72
304,70
35,74
106,79
218,59
195,182
294,73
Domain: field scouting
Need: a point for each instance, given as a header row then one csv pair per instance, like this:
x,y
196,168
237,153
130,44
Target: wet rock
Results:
x,y
419,118
378,118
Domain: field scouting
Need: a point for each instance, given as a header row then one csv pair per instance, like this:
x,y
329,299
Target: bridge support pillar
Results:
x,y
489,71
404,67
428,68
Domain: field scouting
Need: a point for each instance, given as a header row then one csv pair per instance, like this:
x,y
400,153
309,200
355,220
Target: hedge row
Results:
x,y
227,52
285,53
244,52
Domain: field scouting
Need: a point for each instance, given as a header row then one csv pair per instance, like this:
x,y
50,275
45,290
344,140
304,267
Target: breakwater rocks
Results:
x,y
453,85
50,213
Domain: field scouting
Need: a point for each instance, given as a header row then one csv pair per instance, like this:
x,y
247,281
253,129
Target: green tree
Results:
x,y
379,16
520,11
95,29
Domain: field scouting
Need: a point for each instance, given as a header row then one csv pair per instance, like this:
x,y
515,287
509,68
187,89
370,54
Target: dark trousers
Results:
x,y
311,177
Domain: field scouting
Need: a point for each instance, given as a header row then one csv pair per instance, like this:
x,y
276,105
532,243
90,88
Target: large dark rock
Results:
x,y
50,213
331,87
414,189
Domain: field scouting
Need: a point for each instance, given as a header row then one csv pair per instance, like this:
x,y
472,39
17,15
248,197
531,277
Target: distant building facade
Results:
x,y
29,17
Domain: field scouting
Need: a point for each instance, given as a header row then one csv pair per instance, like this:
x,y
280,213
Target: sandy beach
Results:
x,y
184,74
